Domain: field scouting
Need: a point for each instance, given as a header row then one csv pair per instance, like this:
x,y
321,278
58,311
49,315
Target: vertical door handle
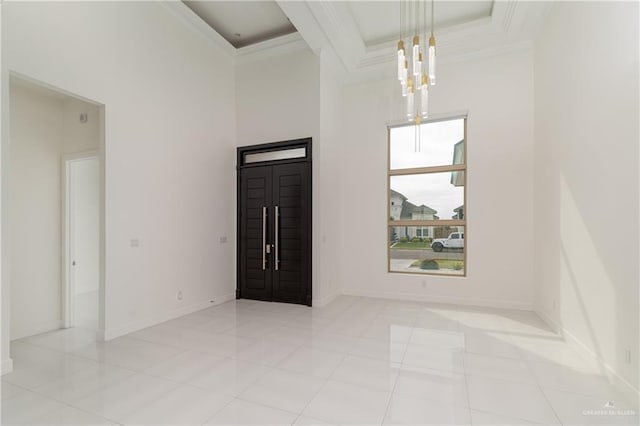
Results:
x,y
264,238
277,228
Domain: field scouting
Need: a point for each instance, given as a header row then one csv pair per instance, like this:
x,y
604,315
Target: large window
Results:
x,y
427,198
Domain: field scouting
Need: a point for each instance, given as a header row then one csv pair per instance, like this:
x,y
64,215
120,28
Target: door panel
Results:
x,y
84,233
255,193
283,188
291,193
85,226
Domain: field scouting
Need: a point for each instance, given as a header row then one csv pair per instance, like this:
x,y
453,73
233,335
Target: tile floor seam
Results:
x,y
131,377
573,392
467,390
218,411
68,405
302,373
360,342
56,379
311,399
386,410
142,339
502,379
264,405
503,415
544,395
18,386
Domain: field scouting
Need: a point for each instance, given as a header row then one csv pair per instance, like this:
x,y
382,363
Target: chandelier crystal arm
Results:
x,y
416,65
432,50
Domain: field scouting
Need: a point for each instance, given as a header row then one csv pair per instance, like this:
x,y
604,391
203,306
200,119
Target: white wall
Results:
x,y
36,141
586,177
80,137
329,187
497,92
279,99
169,139
85,137
6,363
44,126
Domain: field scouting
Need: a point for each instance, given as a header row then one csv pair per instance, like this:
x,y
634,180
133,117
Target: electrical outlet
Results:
x,y
223,240
179,295
627,356
134,242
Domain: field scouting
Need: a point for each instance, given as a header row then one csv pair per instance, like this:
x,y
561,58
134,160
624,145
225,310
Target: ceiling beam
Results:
x,y
329,29
302,16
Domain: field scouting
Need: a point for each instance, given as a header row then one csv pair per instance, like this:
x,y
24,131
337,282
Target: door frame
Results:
x,y
270,147
68,284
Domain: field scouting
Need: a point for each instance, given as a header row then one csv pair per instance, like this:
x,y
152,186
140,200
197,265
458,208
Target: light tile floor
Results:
x,y
355,361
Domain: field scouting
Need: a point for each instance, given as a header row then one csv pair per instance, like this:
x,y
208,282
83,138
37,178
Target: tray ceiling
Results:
x,y
359,38
243,23
379,21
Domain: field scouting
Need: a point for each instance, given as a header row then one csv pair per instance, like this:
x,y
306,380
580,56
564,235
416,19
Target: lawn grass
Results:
x,y
411,246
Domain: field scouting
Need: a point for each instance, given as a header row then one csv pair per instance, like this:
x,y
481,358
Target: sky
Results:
x,y
436,149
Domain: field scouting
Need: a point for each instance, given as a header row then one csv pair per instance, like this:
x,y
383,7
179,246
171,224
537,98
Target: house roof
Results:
x,y
408,208
457,177
424,209
397,194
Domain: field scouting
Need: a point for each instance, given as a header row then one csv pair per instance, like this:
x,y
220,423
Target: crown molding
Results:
x,y
195,23
384,69
340,29
277,46
510,28
329,27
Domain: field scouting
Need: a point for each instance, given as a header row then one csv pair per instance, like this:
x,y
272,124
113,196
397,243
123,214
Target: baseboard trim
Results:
x,y
489,303
112,333
550,322
6,366
37,328
627,388
319,303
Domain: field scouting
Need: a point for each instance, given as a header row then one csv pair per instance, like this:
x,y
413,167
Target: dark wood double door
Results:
x,y
274,227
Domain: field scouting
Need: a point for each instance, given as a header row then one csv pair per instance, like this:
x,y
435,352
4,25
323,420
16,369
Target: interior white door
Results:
x,y
84,235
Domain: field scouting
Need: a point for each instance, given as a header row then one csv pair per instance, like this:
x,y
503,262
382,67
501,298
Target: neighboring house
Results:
x,y
457,178
397,200
459,216
459,213
402,209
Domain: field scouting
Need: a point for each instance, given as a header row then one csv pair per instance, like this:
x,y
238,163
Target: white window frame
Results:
x,y
426,170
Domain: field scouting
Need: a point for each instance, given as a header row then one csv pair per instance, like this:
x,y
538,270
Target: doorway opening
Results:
x,y
55,215
81,240
274,222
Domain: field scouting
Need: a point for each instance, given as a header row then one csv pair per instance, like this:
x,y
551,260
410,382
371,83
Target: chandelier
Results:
x,y
414,74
